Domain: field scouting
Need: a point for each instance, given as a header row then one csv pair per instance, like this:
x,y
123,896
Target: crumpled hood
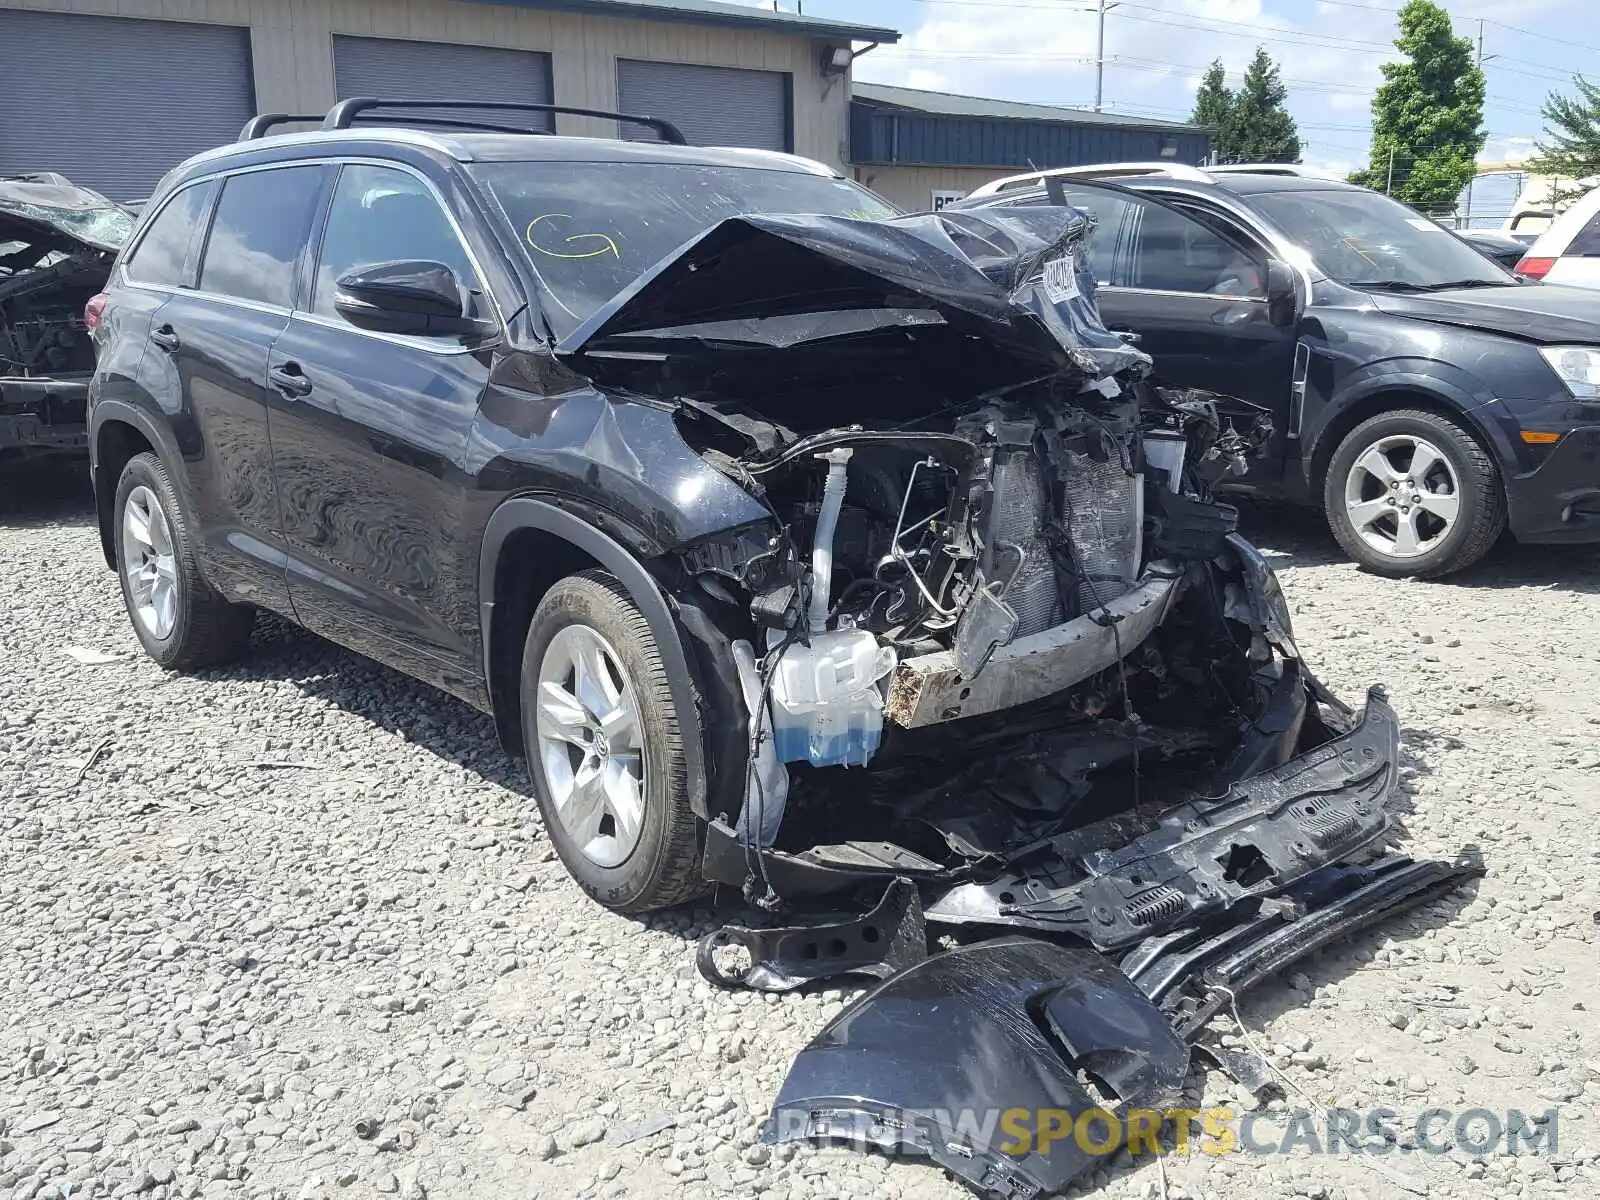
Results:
x,y
49,207
1545,313
761,291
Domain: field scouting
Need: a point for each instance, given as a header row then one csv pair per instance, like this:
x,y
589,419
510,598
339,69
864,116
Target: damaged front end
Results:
x,y
57,242
998,664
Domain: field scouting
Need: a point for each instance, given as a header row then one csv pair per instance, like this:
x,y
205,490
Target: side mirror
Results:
x,y
1283,293
414,297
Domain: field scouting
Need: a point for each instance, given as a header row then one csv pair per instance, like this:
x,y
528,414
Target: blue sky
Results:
x,y
1329,51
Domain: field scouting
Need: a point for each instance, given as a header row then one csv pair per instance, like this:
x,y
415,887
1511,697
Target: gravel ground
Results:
x,y
292,929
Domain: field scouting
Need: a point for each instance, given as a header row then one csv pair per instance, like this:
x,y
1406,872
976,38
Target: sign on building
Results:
x,y
943,196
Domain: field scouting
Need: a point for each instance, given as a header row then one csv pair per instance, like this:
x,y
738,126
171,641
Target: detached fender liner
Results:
x,y
1270,831
971,1059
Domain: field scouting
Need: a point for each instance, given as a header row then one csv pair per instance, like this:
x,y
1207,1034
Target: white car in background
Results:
x,y
1569,250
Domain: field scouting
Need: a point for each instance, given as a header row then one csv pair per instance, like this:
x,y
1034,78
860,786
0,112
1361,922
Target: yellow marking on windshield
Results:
x,y
610,246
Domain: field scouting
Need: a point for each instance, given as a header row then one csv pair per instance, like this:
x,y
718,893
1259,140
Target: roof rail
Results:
x,y
257,127
1170,170
1267,169
344,113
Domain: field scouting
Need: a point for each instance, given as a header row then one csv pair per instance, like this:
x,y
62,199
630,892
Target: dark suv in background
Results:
x,y
1423,397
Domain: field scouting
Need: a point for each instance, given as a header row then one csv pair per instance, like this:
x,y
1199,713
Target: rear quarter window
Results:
x,y
162,255
1586,242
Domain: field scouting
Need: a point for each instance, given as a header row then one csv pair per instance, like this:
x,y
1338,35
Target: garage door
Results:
x,y
714,106
390,69
113,103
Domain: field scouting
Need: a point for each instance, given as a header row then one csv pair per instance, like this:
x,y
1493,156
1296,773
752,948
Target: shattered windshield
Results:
x,y
590,229
1366,240
78,213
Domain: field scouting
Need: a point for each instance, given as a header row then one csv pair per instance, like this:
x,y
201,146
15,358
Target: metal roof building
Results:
x,y
181,76
920,149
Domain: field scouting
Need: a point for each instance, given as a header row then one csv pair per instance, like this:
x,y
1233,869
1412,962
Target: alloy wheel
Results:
x,y
1402,496
148,563
587,722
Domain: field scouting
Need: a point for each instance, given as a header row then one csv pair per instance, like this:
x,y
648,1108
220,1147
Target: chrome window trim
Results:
x,y
1144,291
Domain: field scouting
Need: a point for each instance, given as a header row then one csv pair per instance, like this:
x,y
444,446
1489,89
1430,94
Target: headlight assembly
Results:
x,y
1578,368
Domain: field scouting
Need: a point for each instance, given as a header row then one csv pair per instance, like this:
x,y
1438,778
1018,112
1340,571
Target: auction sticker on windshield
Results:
x,y
1061,278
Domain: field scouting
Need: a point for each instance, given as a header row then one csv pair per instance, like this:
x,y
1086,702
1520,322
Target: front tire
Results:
x,y
605,751
181,620
1412,493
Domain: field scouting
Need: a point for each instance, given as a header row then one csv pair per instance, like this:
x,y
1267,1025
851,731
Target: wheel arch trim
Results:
x,y
1408,388
525,513
119,412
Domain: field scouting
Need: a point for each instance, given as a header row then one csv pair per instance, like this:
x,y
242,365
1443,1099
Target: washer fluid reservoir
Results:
x,y
827,706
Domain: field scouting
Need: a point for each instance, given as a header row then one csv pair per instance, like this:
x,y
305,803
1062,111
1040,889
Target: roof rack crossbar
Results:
x,y
257,127
461,123
342,114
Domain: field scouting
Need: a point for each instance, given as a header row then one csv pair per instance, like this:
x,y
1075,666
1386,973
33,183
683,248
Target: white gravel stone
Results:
x,y
211,971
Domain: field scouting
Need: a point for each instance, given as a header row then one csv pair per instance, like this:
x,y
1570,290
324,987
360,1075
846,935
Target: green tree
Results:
x,y
1263,130
1427,118
1571,148
1213,104
1251,123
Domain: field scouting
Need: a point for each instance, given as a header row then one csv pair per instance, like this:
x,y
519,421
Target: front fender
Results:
x,y
1459,390
528,513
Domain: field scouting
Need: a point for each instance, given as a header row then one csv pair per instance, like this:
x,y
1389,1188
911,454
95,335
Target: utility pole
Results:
x,y
1100,53
1466,220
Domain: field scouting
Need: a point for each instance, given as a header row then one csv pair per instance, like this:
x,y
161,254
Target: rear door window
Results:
x,y
262,223
162,255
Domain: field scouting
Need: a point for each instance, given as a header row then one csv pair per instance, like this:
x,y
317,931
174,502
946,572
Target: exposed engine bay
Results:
x,y
57,243
999,664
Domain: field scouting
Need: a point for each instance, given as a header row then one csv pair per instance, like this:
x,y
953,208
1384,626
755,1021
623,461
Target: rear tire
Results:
x,y
181,620
605,751
1412,493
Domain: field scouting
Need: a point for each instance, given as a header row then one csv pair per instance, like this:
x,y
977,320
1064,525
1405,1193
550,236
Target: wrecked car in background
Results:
x,y
57,242
843,558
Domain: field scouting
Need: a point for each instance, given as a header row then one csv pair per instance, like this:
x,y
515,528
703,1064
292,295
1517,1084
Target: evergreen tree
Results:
x,y
1213,106
1250,124
1571,149
1427,118
1263,131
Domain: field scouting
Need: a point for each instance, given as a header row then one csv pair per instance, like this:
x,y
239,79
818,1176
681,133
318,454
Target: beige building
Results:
x,y
112,93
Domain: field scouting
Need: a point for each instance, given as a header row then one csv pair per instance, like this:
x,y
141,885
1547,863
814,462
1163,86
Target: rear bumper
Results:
x,y
44,414
1560,500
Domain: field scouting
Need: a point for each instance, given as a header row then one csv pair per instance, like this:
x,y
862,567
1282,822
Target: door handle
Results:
x,y
290,380
166,338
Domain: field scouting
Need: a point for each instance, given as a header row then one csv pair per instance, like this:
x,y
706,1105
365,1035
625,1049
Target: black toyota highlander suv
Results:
x,y
798,545
710,478
1425,398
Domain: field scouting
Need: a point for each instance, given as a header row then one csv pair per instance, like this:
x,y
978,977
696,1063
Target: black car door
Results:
x,y
369,432
1192,285
209,345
